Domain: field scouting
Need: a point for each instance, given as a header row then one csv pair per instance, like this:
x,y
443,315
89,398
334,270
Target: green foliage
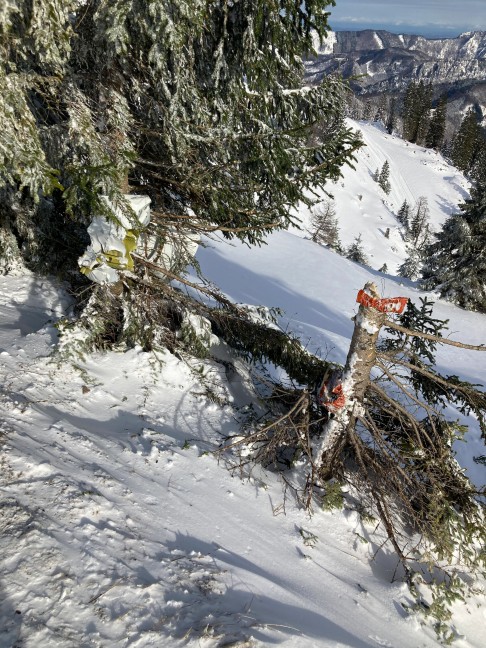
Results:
x,y
409,453
468,141
416,111
391,119
418,319
419,354
384,177
456,262
478,165
404,215
324,224
96,328
418,231
309,539
258,342
436,592
221,119
333,497
412,265
381,109
437,126
417,237
398,458
195,335
356,251
34,51
199,105
9,251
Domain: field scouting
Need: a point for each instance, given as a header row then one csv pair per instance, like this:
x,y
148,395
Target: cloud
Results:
x,y
438,13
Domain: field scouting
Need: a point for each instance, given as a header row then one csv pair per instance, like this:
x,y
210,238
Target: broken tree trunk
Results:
x,y
356,377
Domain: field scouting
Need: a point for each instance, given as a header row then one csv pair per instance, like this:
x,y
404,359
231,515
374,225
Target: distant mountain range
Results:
x,y
378,61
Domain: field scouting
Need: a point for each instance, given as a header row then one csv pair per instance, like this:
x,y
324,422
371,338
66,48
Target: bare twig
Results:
x,y
435,338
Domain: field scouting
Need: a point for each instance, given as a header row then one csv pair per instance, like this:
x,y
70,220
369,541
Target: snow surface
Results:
x,y
120,525
363,207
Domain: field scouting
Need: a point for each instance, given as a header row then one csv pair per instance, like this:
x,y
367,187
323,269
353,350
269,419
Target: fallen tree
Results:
x,y
385,434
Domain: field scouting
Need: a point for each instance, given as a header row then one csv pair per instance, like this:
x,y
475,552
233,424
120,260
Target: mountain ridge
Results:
x,y
390,61
377,62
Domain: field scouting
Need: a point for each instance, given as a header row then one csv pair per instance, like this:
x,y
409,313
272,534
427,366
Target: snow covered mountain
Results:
x,y
386,61
121,525
379,61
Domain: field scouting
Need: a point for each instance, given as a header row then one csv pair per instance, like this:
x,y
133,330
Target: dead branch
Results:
x,y
255,436
434,338
404,412
170,275
432,376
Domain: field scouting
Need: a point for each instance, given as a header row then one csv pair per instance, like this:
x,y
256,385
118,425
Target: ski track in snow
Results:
x,y
119,526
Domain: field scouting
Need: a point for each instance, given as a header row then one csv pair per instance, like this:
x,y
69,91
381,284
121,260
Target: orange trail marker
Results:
x,y
390,305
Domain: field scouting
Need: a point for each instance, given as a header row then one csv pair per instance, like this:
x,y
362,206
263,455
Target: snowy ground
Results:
x,y
362,207
120,527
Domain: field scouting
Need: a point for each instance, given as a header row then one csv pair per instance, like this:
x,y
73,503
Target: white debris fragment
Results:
x,y
112,241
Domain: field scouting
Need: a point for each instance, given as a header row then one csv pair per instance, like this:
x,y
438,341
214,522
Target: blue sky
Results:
x,y
429,17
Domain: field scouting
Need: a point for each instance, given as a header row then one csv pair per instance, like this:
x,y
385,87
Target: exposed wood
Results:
x,y
356,378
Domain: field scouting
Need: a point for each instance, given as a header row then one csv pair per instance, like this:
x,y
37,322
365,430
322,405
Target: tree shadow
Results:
x,y
235,613
10,622
322,325
37,310
456,185
32,314
10,616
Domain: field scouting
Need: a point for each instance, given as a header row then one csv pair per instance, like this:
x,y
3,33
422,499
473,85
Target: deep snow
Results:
x,y
121,527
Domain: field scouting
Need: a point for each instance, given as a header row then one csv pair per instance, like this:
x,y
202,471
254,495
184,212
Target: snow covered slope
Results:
x,y
119,526
363,207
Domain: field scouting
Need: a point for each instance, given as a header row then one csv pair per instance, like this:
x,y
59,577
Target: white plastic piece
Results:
x,y
108,237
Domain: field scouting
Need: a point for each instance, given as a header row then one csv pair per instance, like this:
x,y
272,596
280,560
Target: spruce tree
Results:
x,y
416,111
391,119
384,177
369,111
437,126
424,107
466,144
403,215
382,109
478,168
198,105
418,233
412,266
418,240
457,262
408,112
356,251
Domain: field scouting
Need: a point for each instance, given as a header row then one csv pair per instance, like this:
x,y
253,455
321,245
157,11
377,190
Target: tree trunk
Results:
x,y
356,377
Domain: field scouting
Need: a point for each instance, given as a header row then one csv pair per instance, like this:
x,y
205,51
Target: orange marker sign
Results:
x,y
390,305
